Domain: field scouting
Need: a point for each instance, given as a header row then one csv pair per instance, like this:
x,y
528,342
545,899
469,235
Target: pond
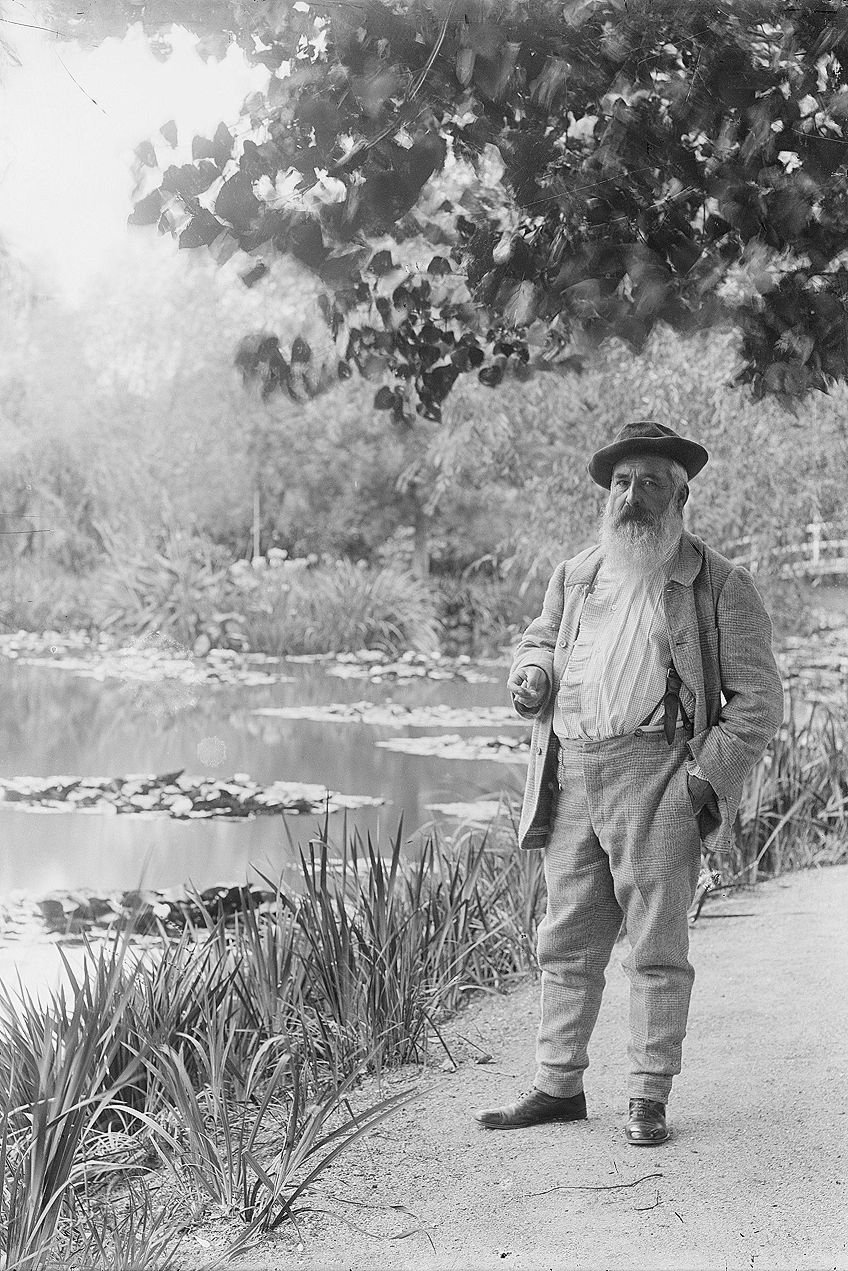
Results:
x,y
58,723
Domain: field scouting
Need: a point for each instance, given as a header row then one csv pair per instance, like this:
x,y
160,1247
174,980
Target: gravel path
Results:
x,y
753,1177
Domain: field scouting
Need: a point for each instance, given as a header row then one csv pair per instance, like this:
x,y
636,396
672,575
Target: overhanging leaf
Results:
x,y
202,230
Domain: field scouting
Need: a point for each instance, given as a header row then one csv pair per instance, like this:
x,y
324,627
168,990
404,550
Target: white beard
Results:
x,y
639,548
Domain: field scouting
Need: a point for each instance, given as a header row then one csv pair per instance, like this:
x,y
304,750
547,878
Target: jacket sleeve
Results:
x,y
751,686
536,647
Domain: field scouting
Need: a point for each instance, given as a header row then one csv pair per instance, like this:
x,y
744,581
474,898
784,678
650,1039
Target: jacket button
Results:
x,y
563,644
538,750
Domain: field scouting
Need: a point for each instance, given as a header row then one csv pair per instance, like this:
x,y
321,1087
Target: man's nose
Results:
x,y
632,495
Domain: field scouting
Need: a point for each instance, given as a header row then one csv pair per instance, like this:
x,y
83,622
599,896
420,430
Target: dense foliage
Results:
x,y
104,460
483,186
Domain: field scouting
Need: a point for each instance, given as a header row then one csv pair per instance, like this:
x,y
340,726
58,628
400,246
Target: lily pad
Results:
x,y
145,663
404,671
70,913
452,746
480,812
396,715
175,795
135,669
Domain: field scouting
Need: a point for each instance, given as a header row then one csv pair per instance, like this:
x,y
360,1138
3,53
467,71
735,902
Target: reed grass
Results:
x,y
229,1052
794,812
135,1235
394,944
60,1072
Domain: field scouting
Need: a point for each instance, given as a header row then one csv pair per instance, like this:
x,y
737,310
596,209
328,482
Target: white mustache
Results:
x,y
637,516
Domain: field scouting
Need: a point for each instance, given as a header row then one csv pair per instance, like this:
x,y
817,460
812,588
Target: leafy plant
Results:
x,y
233,1128
796,799
40,595
58,1080
221,1116
395,943
212,1099
481,613
310,1146
337,606
177,590
135,1233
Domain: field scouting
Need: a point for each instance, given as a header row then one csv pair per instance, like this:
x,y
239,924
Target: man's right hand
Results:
x,y
529,687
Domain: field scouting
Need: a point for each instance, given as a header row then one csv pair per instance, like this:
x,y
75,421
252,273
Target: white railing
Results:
x,y
821,552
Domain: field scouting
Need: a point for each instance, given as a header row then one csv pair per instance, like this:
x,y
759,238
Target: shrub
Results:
x,y
482,614
794,809
178,588
298,606
39,595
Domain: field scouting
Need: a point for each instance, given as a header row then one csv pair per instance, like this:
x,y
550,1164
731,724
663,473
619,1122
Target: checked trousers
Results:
x,y
624,844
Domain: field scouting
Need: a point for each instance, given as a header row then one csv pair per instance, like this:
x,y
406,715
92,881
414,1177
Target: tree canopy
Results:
x,y
493,187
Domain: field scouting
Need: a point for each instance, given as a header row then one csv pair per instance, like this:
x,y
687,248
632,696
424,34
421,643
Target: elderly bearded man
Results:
x,y
653,687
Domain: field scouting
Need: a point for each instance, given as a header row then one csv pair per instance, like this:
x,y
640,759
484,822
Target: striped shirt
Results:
x,y
616,673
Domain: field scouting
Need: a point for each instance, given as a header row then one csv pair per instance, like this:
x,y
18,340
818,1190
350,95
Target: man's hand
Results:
x,y
529,687
702,794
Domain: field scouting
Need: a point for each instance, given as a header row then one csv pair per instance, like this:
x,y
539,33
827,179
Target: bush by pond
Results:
x,y
292,607
794,811
39,595
186,588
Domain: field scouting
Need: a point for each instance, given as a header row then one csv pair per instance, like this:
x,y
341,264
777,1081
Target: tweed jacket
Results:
x,y
720,639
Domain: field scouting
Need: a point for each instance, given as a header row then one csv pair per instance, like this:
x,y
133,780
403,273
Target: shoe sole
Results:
x,y
646,1142
527,1125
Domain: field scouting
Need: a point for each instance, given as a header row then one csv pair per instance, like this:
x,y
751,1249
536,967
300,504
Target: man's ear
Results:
x,y
683,496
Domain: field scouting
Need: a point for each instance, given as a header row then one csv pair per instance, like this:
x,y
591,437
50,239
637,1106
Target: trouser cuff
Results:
x,y
558,1087
653,1088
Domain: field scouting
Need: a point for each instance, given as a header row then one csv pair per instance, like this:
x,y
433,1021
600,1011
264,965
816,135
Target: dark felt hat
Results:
x,y
646,438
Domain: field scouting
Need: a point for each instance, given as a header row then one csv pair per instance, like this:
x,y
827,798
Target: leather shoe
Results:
x,y
533,1109
646,1123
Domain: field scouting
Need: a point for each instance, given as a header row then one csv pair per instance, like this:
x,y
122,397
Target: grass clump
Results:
x,y
794,811
297,606
393,945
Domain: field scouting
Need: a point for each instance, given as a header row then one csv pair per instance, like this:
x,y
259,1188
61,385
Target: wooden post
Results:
x,y
816,529
421,545
256,525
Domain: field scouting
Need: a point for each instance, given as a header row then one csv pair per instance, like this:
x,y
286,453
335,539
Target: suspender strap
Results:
x,y
671,704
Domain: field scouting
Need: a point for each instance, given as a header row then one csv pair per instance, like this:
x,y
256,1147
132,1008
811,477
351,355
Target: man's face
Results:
x,y
641,490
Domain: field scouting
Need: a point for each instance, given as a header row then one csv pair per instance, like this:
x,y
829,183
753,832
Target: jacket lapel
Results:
x,y
576,585
584,569
682,622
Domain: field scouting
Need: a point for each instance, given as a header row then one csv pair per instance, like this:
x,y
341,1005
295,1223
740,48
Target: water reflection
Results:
x,y
56,723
